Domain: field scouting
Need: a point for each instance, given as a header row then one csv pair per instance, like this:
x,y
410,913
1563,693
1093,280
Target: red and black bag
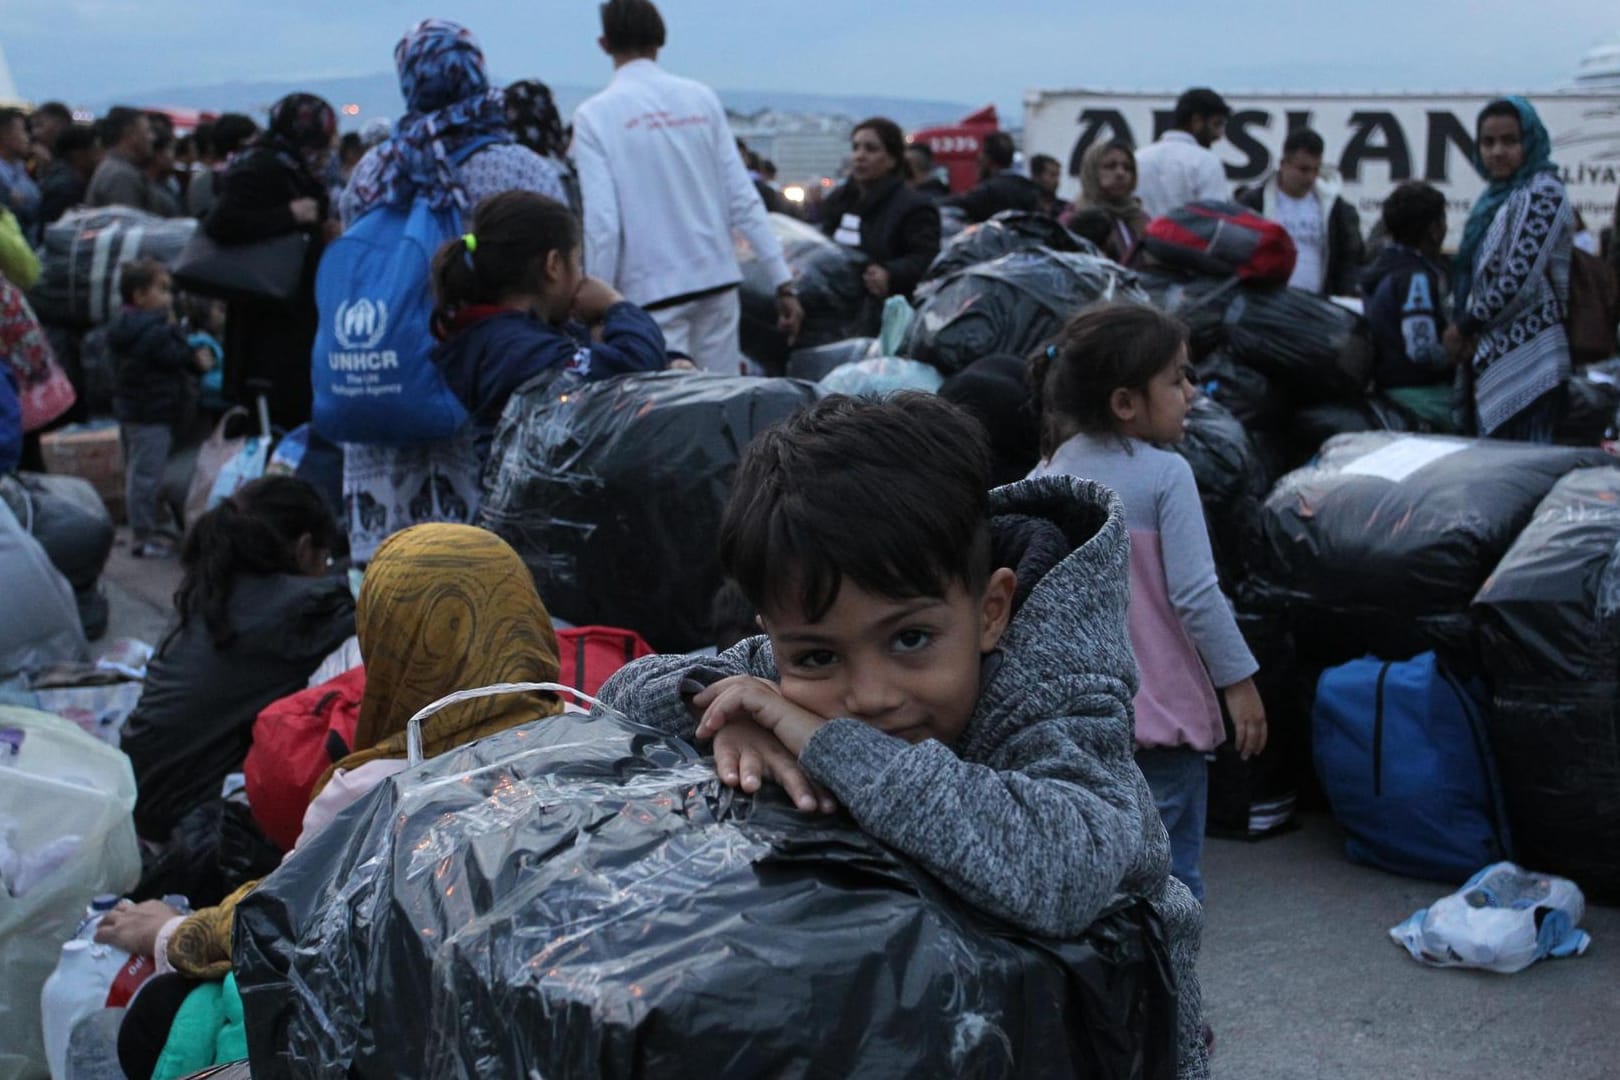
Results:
x,y
1222,239
295,740
588,655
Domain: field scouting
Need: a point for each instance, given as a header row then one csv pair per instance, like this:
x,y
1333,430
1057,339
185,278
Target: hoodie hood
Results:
x,y
1392,258
131,324
1067,639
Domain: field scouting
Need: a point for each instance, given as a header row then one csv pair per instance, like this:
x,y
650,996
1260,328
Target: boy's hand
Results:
x,y
743,697
204,357
746,755
1248,717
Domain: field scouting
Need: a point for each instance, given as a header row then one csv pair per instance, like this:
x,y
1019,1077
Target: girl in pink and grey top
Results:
x,y
1113,387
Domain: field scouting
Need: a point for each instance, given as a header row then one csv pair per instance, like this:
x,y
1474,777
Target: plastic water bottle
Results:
x,y
77,988
93,912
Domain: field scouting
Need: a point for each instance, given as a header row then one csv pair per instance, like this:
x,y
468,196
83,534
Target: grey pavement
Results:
x,y
1301,980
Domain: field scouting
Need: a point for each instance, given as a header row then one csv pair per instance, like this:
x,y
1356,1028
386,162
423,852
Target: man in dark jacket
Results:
x,y
999,187
1404,305
63,184
121,178
1303,197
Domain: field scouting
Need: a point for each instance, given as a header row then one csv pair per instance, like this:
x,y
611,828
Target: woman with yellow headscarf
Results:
x,y
442,608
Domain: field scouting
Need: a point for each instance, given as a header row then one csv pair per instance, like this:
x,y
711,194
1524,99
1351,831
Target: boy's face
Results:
x,y
909,668
158,296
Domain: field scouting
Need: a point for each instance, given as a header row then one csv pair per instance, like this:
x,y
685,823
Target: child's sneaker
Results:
x,y
153,549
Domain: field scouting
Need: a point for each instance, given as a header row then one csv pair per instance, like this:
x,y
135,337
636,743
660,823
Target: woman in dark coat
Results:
x,y
878,213
271,190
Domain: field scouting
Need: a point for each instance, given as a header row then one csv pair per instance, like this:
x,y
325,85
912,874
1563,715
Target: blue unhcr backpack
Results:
x,y
1402,754
372,365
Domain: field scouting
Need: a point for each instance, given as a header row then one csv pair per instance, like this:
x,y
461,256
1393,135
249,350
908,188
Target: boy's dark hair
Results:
x,y
1304,140
116,124
1103,349
889,134
231,131
1000,149
74,139
255,531
1042,161
1411,211
889,493
1499,107
632,26
512,234
138,275
1200,101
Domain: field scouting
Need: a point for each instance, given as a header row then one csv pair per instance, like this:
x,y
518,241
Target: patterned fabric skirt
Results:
x,y
389,488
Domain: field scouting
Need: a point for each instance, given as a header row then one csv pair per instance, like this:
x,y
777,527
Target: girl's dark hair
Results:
x,y
1499,107
512,232
1102,349
890,135
255,531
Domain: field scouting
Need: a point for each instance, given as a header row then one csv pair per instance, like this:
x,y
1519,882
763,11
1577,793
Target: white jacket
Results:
x,y
1176,171
663,187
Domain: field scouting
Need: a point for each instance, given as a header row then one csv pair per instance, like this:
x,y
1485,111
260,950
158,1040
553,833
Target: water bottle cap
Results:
x,y
104,902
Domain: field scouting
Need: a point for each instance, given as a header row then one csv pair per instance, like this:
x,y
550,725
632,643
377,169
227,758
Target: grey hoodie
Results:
x,y
1039,814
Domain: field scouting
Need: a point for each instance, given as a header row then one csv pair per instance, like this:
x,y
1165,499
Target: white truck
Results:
x,y
1375,140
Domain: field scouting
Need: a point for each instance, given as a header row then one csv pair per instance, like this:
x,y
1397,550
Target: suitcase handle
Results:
x,y
413,729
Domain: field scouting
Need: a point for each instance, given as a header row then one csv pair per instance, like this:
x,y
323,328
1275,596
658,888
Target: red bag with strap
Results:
x,y
295,740
43,388
588,655
1223,239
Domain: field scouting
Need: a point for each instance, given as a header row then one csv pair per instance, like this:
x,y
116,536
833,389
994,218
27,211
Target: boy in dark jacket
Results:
x,y
952,666
1404,291
153,366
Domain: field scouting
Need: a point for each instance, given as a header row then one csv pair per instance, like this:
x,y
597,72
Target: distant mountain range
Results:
x,y
378,96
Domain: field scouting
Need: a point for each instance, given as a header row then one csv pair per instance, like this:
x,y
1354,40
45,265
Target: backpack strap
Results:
x,y
476,145
1496,808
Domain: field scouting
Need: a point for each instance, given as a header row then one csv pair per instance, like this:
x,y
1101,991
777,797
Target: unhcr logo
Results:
x,y
361,324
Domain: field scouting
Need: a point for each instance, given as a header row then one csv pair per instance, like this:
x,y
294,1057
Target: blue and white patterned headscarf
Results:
x,y
448,101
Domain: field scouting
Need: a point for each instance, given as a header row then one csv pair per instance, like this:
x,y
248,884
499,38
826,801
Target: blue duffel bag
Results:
x,y
1402,754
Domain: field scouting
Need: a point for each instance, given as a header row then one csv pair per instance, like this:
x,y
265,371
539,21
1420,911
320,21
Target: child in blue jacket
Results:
x,y
514,303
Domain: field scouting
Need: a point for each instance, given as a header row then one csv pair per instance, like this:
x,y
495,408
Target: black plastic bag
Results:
x,y
1199,302
78,282
1013,304
1404,525
1312,347
1252,799
1557,750
570,898
612,492
827,277
1008,231
813,364
1551,610
1231,484
1591,410
1242,391
1310,427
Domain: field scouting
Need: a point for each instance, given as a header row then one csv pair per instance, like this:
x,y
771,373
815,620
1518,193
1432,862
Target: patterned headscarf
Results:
x,y
446,608
532,115
1537,159
448,100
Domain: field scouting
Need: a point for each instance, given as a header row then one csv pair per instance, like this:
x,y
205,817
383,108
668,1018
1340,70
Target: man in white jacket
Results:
x,y
1303,196
663,189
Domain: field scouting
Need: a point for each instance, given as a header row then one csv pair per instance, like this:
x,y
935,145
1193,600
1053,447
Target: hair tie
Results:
x,y
471,241
1051,352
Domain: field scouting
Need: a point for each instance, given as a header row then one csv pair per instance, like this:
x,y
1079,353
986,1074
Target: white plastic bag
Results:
x,y
1503,919
897,316
66,806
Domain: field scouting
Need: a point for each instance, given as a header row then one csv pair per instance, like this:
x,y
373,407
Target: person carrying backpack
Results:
x,y
452,148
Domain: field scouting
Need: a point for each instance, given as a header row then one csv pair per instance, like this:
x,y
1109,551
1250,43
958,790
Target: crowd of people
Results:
x,y
1016,688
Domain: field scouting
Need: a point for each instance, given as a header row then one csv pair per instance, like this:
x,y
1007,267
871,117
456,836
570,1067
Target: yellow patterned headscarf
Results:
x,y
446,608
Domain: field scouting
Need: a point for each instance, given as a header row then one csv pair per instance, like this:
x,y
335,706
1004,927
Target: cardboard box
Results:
x,y
93,452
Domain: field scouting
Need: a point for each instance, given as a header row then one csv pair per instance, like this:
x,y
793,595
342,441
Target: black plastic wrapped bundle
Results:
x,y
1231,483
1008,231
612,492
827,277
78,282
1316,349
1550,636
1013,304
571,898
1253,799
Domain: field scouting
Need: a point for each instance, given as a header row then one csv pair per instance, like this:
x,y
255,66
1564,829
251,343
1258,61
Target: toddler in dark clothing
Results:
x,y
1404,291
154,366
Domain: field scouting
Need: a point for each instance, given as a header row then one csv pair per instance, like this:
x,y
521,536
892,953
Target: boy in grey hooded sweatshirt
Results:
x,y
952,667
